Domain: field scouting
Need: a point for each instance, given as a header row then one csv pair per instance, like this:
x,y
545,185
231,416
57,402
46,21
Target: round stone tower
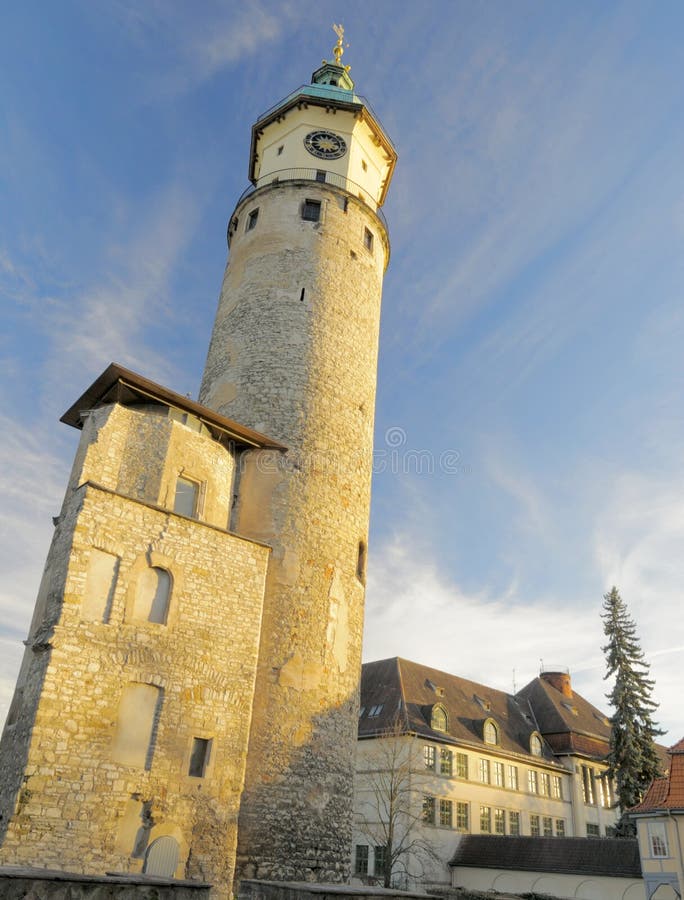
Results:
x,y
294,354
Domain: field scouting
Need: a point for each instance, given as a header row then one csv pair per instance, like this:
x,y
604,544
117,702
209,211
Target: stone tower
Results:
x,y
294,353
189,686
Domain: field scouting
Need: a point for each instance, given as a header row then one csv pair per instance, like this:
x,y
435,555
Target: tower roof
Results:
x,y
331,90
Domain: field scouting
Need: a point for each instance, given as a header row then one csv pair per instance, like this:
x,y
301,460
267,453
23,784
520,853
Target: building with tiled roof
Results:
x,y
555,867
459,757
660,830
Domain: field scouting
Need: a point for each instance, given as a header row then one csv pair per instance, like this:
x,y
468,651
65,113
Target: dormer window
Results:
x,y
485,704
490,732
439,721
535,744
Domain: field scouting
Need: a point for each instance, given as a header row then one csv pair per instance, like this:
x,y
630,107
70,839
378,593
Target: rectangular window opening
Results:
x,y
485,820
462,765
320,175
368,239
199,757
252,220
311,211
461,816
361,859
186,501
445,813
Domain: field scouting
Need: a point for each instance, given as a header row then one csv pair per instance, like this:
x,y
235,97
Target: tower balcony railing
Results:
x,y
321,177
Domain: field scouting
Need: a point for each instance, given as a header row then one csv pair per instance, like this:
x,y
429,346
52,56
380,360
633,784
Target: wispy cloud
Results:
x,y
414,610
200,46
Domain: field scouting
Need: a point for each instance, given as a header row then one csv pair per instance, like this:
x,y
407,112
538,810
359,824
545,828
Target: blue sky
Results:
x,y
533,321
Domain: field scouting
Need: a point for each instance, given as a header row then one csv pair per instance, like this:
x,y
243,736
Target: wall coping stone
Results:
x,y
347,890
109,878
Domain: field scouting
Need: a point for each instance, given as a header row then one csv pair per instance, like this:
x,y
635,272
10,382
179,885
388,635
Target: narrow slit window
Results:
x,y
320,175
252,219
361,562
368,239
280,149
311,211
199,757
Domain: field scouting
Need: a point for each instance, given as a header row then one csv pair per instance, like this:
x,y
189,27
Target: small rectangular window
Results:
x,y
657,838
485,777
593,830
445,813
556,787
380,860
485,820
320,175
429,809
544,784
199,757
280,149
446,762
514,823
368,239
499,821
311,210
461,816
588,785
252,220
462,765
429,754
513,778
534,826
361,859
560,827
499,774
532,784
547,825
187,497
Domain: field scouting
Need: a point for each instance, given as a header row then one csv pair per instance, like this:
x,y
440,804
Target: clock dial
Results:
x,y
325,144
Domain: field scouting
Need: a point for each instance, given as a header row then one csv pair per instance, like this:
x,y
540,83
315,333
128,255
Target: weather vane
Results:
x,y
338,49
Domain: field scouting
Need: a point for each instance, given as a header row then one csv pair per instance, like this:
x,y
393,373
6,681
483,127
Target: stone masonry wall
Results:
x,y
294,354
75,791
34,884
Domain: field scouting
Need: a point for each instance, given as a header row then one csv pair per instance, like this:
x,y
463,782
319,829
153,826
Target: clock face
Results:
x,y
325,144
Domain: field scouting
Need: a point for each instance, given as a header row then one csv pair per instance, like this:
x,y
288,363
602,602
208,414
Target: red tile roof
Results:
x,y
666,792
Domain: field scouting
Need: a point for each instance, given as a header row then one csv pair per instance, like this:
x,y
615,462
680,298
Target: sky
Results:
x,y
529,425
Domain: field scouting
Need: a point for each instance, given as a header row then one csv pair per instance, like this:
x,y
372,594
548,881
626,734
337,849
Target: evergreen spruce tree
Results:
x,y
633,761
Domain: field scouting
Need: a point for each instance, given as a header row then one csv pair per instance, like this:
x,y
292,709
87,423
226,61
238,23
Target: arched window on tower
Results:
x,y
152,596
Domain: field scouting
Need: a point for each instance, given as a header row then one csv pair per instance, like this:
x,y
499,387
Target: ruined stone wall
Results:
x,y
125,682
294,354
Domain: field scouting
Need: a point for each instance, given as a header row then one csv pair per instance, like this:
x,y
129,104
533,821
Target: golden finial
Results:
x,y
338,49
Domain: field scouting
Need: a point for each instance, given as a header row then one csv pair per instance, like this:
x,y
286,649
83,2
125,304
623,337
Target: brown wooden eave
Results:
x,y
119,385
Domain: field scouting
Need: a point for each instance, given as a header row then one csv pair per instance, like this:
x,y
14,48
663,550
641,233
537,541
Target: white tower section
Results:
x,y
294,353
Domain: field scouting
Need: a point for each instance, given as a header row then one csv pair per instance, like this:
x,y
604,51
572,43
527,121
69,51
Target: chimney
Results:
x,y
560,681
